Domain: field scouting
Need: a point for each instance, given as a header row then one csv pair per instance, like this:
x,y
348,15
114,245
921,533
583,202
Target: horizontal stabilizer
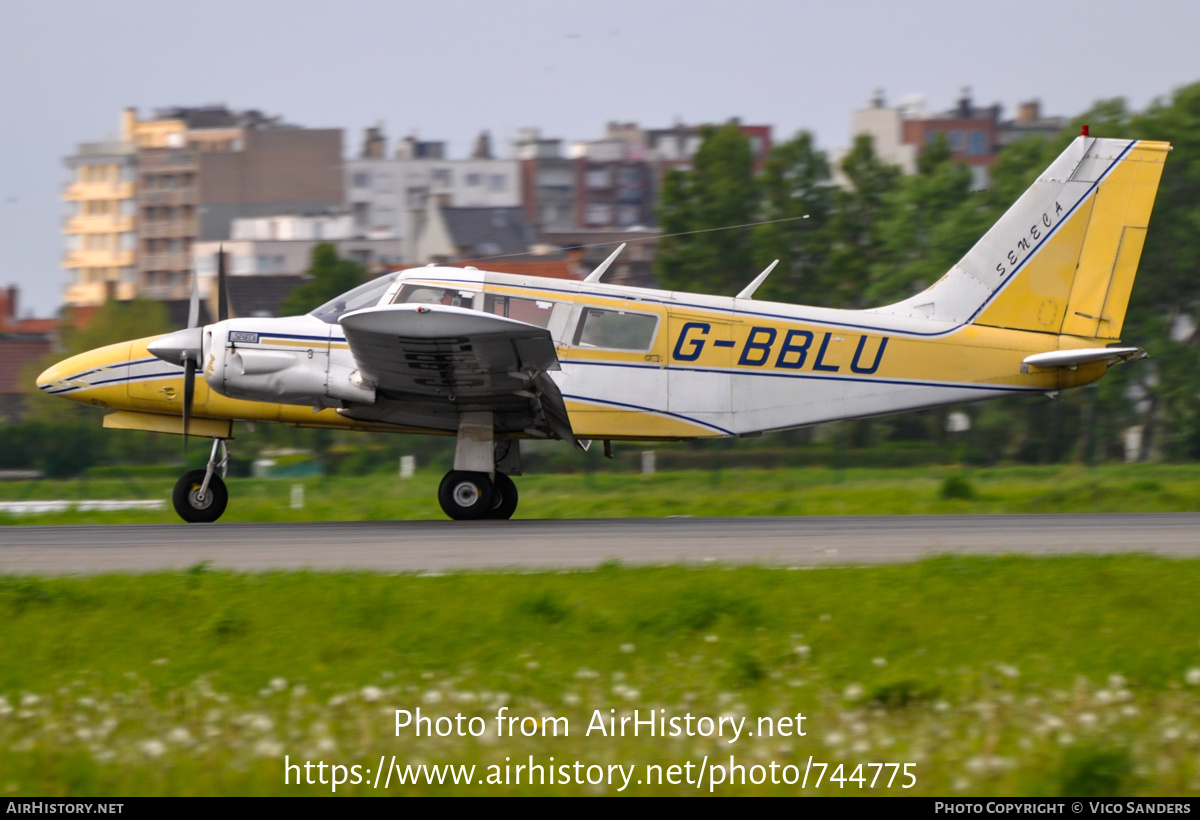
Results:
x,y
1074,358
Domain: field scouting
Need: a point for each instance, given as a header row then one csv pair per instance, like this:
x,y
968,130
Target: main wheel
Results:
x,y
504,501
465,495
190,506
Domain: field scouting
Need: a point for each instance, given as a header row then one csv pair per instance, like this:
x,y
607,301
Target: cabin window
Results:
x,y
431,295
615,329
531,311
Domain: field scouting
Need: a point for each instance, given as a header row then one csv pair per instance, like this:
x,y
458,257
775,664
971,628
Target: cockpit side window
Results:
x,y
432,295
364,296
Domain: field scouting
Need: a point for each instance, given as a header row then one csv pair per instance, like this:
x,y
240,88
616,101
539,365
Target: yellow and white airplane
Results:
x,y
1035,306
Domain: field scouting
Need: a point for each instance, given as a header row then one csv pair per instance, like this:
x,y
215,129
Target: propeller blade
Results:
x,y
189,394
222,293
194,305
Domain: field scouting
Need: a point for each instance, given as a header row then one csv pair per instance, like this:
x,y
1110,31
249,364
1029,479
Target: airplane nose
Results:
x,y
55,375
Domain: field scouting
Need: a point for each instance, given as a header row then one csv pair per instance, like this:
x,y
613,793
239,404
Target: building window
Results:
x,y
362,180
955,141
977,146
474,180
443,176
498,183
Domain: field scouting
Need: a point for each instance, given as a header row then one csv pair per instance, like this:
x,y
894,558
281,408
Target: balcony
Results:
x,y
165,262
98,224
75,191
168,229
98,259
175,196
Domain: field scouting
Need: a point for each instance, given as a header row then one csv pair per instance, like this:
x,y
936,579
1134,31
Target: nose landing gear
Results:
x,y
200,496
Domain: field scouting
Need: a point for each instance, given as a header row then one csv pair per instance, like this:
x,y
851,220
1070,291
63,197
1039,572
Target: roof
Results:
x,y
484,232
261,295
16,354
177,312
548,268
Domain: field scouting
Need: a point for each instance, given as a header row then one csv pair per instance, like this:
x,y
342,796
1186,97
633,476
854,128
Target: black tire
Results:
x,y
504,498
191,509
465,496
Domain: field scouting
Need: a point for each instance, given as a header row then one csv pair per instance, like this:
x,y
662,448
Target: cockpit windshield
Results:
x,y
364,296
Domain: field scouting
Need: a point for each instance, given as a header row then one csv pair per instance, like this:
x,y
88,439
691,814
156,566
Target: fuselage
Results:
x,y
636,364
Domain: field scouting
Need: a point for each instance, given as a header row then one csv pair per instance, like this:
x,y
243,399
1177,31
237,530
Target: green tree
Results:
x,y
925,226
331,277
855,243
797,203
719,192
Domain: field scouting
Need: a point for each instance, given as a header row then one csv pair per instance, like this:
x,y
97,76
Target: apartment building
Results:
x,y
137,205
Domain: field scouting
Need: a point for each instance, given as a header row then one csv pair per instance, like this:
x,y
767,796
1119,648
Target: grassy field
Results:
x,y
605,494
997,676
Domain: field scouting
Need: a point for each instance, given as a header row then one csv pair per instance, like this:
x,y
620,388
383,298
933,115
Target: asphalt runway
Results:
x,y
439,546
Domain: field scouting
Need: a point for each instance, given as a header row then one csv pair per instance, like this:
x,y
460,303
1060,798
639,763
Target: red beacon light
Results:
x,y
1084,132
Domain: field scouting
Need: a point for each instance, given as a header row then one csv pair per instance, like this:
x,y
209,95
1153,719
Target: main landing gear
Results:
x,y
200,495
476,488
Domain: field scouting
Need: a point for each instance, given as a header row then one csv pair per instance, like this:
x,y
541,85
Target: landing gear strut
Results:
x,y
200,495
476,488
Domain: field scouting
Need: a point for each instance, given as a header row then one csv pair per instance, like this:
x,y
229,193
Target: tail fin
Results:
x,y
1063,258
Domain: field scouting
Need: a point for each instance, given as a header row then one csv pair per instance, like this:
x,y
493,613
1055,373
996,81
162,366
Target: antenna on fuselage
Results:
x,y
748,291
595,275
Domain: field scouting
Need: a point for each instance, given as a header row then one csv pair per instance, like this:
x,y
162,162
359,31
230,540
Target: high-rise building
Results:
x,y
137,204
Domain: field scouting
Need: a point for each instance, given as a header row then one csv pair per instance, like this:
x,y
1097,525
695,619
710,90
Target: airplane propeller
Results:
x,y
186,347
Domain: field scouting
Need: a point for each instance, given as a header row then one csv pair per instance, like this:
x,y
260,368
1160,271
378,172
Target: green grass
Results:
x,y
605,494
994,675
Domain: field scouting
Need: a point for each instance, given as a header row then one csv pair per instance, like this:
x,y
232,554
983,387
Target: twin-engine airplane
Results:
x,y
1035,306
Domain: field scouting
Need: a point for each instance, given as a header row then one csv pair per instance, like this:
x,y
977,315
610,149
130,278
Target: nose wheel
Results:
x,y
200,496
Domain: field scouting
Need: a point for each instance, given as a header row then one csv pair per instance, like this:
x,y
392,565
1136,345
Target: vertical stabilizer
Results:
x,y
1063,258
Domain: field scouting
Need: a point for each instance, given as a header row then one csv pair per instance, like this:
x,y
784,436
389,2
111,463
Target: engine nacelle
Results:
x,y
296,360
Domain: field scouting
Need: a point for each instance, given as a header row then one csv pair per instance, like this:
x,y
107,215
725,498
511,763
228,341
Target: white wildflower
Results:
x,y
278,684
30,700
532,665
571,699
180,735
1008,670
268,748
710,638
586,674
1193,676
853,692
160,662
803,651
627,648
432,696
880,662
1116,681
371,693
153,748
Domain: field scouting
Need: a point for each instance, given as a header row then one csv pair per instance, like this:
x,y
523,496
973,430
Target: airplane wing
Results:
x,y
429,363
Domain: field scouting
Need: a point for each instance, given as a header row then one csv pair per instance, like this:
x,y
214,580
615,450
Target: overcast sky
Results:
x,y
450,68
